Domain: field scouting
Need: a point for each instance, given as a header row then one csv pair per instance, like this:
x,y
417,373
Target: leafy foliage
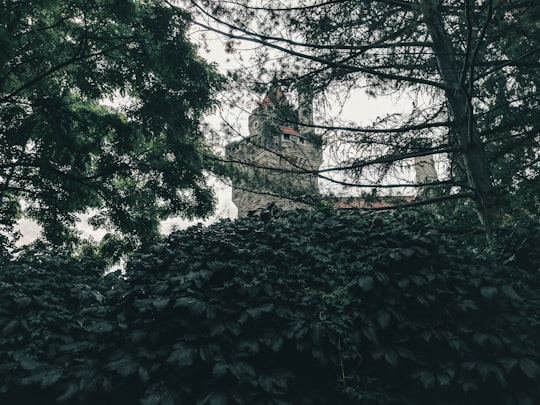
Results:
x,y
300,308
63,151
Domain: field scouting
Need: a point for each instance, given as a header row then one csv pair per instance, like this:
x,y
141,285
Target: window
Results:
x,y
287,137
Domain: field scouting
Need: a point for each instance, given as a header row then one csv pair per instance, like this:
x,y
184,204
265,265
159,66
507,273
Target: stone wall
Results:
x,y
281,170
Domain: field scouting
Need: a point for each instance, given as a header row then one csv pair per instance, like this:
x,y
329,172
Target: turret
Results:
x,y
280,157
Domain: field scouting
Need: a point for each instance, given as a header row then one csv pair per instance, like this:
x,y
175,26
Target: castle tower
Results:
x,y
277,162
425,169
425,165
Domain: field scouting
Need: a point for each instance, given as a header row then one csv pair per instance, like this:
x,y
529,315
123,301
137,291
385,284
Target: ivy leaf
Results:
x,y
26,362
391,357
257,311
220,369
182,356
44,376
124,365
489,292
508,363
426,378
70,392
383,318
11,328
242,370
215,398
529,368
365,283
101,327
143,374
370,333
158,398
160,303
509,291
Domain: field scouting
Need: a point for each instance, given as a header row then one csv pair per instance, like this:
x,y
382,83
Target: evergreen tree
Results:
x,y
475,62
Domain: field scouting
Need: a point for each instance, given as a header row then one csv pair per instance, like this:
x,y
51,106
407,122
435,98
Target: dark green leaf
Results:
x,y
489,292
508,291
44,376
365,283
182,356
529,367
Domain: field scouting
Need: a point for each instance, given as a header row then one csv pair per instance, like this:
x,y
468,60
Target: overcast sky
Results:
x,y
358,108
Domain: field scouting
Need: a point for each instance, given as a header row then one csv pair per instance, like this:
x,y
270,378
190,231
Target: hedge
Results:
x,y
316,307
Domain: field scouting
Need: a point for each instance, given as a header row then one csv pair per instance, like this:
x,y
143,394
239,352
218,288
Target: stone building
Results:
x,y
279,159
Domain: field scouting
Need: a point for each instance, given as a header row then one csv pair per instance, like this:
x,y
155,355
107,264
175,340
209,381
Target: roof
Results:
x,y
288,130
274,95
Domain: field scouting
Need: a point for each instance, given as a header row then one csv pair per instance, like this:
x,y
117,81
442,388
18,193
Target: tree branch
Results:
x,y
263,40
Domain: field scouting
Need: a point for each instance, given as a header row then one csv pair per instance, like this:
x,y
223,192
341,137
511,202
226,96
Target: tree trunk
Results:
x,y
466,136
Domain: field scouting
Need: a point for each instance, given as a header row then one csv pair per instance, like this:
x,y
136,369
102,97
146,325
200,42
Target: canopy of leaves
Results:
x,y
63,151
306,308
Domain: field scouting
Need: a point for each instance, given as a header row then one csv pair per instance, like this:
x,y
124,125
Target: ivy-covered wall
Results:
x,y
306,308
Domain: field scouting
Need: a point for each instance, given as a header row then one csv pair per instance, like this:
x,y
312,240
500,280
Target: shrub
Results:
x,y
308,308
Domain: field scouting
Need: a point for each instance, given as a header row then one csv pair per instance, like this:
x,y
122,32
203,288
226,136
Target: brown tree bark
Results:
x,y
464,129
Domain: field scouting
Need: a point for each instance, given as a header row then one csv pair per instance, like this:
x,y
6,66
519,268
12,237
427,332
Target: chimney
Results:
x,y
425,165
425,169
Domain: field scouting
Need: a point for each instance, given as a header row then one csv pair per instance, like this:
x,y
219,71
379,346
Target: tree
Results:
x,y
470,67
64,150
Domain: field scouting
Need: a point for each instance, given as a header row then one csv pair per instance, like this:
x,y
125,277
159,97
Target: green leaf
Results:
x,y
467,305
70,392
417,279
11,328
508,363
443,378
26,362
160,303
215,398
489,292
391,357
260,309
383,318
426,378
124,365
242,370
509,291
277,344
101,327
529,367
143,374
158,398
365,283
370,333
487,369
182,356
220,369
276,382
407,252
195,306
480,338
44,376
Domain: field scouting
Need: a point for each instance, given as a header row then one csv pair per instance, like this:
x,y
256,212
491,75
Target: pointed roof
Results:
x,y
274,96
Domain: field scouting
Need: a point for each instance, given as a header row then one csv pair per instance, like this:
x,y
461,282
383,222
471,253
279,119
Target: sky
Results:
x,y
358,108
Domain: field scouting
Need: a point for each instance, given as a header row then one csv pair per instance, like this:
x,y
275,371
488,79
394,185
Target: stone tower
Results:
x,y
425,166
277,162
